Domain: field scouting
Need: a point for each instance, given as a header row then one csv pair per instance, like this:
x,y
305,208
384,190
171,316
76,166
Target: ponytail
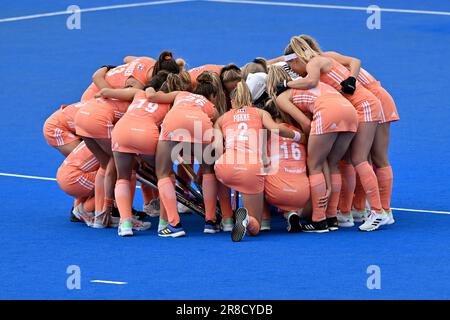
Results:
x,y
241,96
166,62
301,48
313,44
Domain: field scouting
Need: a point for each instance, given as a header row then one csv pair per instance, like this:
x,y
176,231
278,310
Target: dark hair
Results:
x,y
166,62
205,85
157,80
179,82
235,74
262,62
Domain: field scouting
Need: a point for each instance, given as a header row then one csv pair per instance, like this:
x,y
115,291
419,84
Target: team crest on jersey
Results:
x,y
140,67
242,110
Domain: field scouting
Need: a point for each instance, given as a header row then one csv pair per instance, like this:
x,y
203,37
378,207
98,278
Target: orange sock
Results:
x,y
148,193
133,182
209,186
225,201
318,190
253,226
348,187
359,201
89,204
99,190
123,198
370,185
266,212
385,178
168,197
336,184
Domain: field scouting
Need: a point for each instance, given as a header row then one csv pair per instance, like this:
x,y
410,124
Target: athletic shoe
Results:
x,y
172,231
114,222
240,226
182,208
265,225
374,221
319,227
390,216
152,208
293,222
359,216
99,219
211,227
84,216
72,216
139,225
227,224
125,228
333,224
138,214
162,224
345,220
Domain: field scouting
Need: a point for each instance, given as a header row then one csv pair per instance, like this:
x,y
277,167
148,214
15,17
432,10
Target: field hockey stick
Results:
x,y
150,180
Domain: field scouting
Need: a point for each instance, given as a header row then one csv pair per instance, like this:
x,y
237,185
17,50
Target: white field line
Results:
x,y
23,176
103,8
263,3
326,6
108,282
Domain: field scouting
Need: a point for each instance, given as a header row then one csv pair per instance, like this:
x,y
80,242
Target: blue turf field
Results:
x,y
43,64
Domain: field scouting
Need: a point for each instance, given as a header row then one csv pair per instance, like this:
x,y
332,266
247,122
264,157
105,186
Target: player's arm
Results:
x,y
120,94
160,97
270,124
99,78
284,103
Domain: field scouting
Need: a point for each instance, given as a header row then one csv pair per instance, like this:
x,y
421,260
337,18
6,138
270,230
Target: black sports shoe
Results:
x,y
318,227
72,217
115,212
240,225
140,214
332,224
293,221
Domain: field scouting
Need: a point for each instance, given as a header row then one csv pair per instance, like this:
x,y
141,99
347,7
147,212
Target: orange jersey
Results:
x,y
81,158
241,129
336,75
286,155
142,108
118,76
138,69
305,99
195,72
190,100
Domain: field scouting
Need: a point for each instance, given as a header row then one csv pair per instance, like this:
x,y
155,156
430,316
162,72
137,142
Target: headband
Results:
x,y
290,57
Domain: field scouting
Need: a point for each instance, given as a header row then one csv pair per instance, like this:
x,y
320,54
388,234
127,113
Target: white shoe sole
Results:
x,y
227,228
209,231
173,235
125,233
346,224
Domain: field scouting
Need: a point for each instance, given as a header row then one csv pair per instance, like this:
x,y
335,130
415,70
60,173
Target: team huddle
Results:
x,y
305,134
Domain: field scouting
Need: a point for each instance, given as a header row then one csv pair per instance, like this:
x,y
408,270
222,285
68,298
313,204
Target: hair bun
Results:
x,y
205,77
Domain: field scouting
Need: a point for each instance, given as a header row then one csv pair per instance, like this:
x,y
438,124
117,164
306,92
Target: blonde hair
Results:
x,y
275,75
257,65
311,42
179,82
241,95
301,48
221,100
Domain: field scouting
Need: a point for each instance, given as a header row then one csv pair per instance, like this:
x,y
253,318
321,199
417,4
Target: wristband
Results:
x,y
297,136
